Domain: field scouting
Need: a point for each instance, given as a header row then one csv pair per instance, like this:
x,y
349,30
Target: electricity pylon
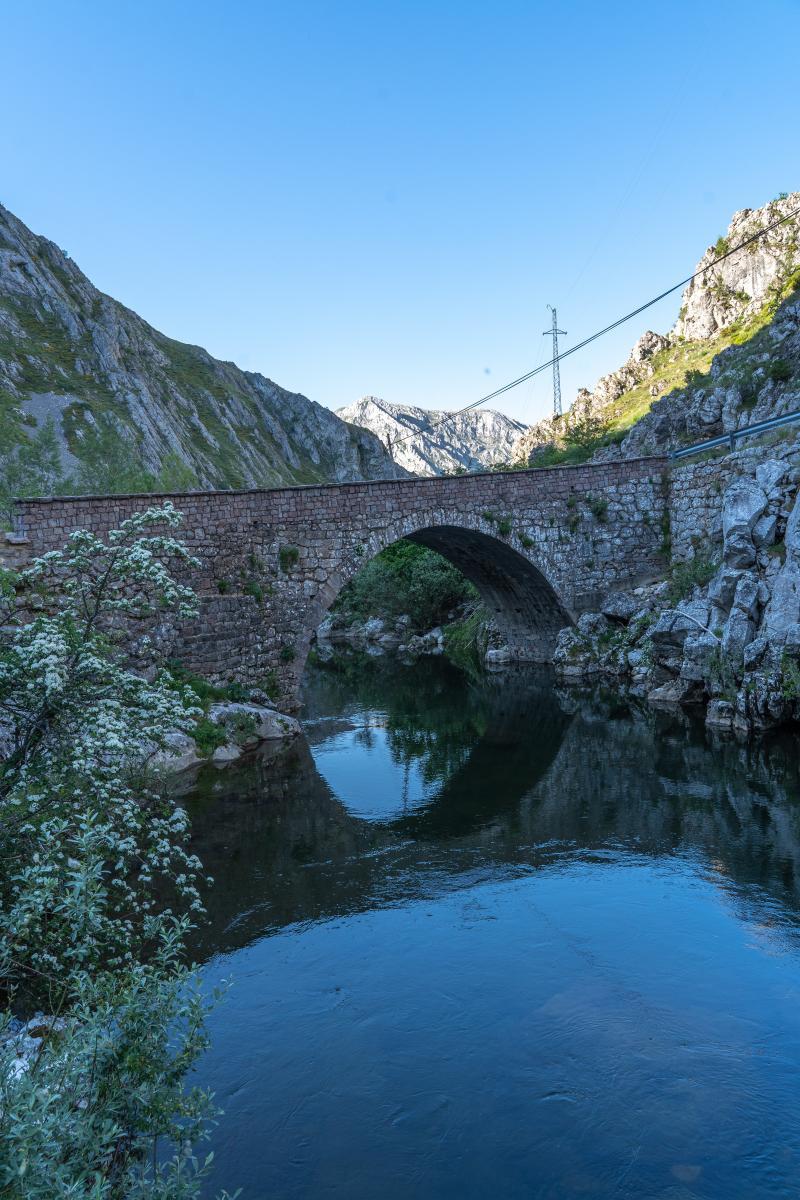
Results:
x,y
554,332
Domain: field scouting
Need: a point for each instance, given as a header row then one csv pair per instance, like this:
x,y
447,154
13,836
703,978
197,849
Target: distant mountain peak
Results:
x,y
432,442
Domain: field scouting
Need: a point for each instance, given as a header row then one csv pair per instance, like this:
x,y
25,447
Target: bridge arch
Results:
x,y
522,602
540,545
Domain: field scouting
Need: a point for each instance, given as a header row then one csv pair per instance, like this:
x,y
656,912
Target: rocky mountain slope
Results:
x,y
427,445
127,407
727,361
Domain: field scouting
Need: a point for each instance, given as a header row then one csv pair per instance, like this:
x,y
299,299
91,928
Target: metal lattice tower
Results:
x,y
554,332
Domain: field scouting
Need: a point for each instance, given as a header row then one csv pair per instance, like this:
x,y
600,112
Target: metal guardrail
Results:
x,y
730,439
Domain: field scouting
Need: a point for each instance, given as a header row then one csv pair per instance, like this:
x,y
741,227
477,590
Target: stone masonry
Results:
x,y
541,546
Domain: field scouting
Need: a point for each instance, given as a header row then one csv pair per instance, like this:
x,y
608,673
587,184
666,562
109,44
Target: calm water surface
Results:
x,y
493,941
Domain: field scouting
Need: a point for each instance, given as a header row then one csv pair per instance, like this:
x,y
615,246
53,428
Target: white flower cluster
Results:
x,y
91,847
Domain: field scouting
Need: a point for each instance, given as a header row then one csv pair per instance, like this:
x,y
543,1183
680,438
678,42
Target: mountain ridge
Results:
x,y
119,394
431,442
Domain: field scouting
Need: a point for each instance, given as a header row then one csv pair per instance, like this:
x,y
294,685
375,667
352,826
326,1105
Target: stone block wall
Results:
x,y
541,546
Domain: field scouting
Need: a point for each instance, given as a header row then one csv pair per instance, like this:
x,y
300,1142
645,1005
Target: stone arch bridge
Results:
x,y
541,546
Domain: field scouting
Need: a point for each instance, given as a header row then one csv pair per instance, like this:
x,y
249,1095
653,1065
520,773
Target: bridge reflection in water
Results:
x,y
510,777
497,941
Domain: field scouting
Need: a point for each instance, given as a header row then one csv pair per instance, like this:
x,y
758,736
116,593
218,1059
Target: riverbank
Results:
x,y
722,632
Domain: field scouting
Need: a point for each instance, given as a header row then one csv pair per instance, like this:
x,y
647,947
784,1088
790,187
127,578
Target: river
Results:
x,y
490,939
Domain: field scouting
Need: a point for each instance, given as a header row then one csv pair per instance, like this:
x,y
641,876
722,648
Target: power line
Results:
x,y
608,328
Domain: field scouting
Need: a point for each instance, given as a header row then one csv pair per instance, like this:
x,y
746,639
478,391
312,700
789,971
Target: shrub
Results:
x,y
405,578
287,557
685,576
91,845
504,526
780,371
598,506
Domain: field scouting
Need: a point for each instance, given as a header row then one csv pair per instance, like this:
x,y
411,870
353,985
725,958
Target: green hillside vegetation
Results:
x,y
683,366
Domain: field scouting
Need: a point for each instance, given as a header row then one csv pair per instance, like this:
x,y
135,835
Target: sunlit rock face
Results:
x,y
428,442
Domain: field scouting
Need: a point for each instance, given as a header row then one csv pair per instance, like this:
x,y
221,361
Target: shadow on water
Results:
x,y
514,774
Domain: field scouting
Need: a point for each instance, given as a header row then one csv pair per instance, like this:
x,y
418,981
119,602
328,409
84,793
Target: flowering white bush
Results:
x,y
92,849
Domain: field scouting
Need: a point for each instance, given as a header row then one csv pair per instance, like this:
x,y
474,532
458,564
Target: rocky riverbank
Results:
x,y
723,631
226,732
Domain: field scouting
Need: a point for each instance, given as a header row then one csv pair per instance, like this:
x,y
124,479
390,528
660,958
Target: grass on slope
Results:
x,y
686,364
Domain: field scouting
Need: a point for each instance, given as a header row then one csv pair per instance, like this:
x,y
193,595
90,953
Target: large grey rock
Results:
x,y
770,473
742,504
720,714
672,693
746,596
620,607
783,609
738,632
180,753
699,651
592,624
253,723
764,530
574,654
675,625
722,588
754,653
792,535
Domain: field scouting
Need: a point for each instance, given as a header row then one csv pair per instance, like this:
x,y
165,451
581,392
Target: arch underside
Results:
x,y
523,605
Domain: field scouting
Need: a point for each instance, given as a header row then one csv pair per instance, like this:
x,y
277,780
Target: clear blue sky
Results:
x,y
382,197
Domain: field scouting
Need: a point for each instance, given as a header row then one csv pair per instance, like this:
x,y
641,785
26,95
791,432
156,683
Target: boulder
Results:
x,y
754,653
698,653
783,609
592,624
620,607
792,536
764,530
574,655
674,625
746,595
373,629
225,754
722,588
738,632
672,693
742,504
253,723
179,755
499,656
770,473
720,714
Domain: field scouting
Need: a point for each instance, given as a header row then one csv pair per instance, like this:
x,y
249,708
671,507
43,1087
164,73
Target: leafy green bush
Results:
x,y
780,371
405,578
287,557
91,846
465,642
685,576
598,507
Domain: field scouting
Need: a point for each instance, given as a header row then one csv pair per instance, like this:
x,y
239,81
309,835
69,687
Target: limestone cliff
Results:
x,y
732,357
427,442
125,398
